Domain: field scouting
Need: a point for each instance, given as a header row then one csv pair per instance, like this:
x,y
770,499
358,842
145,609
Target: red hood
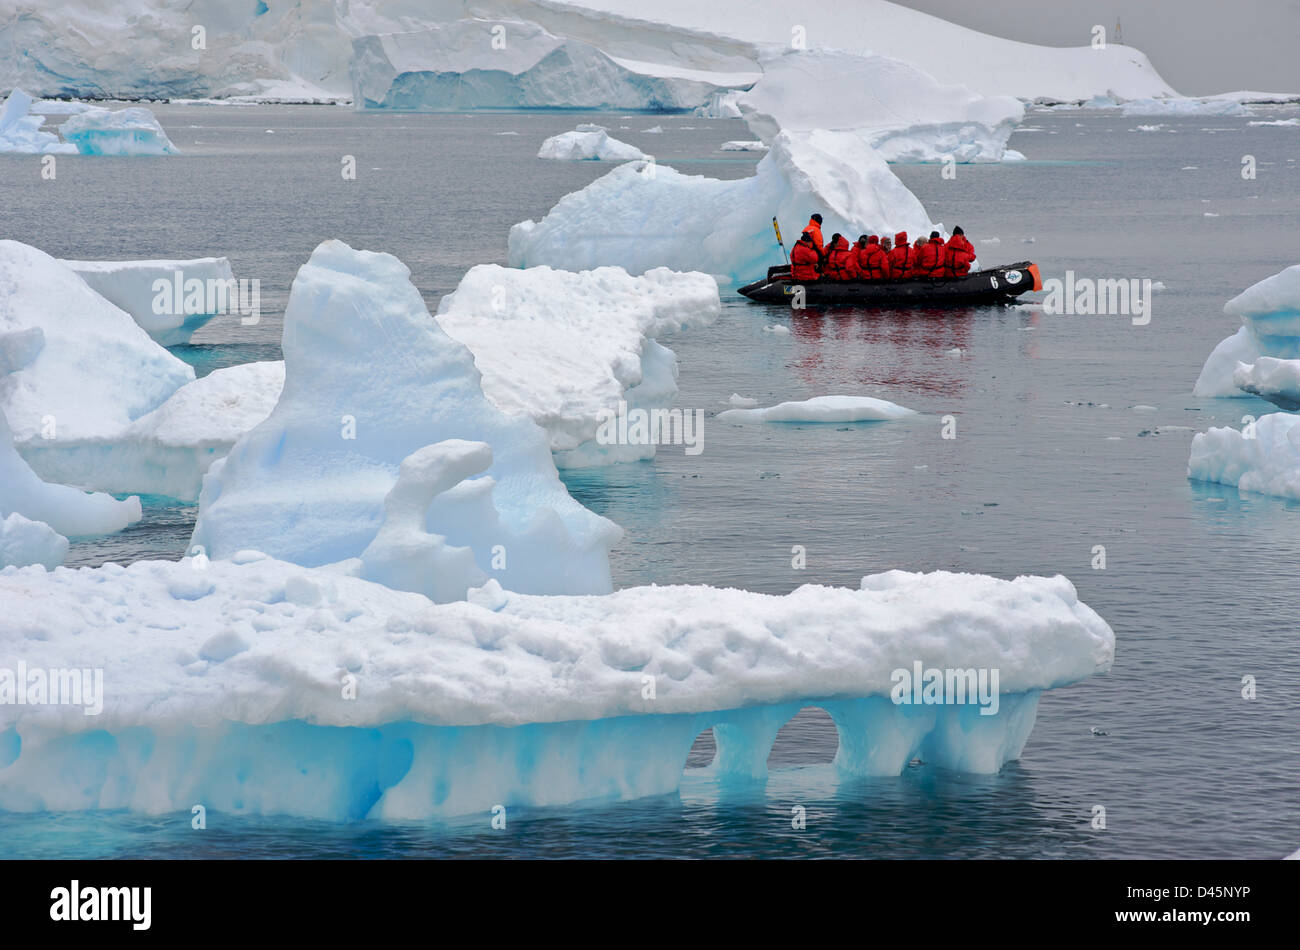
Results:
x,y
900,238
872,239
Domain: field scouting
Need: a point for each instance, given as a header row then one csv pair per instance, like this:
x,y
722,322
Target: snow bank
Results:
x,y
168,451
133,131
897,108
24,542
271,688
640,215
822,409
65,510
458,65
370,379
1181,106
1264,459
130,285
20,131
1270,314
565,348
72,365
588,143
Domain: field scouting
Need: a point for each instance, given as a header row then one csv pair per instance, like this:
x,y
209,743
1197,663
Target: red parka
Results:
x,y
900,258
804,260
873,262
841,261
958,256
930,259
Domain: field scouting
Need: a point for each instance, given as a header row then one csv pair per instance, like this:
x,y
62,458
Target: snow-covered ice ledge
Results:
x,y
259,686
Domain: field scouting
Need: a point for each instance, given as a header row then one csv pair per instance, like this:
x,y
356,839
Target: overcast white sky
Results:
x,y
1198,46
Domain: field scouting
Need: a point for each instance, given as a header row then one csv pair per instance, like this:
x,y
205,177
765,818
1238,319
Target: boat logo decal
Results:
x,y
1012,276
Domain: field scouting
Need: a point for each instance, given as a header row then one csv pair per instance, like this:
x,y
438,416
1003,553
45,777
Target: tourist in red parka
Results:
x,y
900,258
814,228
959,254
841,260
873,262
930,259
805,256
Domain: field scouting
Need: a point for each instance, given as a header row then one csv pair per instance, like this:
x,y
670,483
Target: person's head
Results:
x,y
806,236
862,240
873,240
934,235
886,243
920,242
957,230
817,218
900,239
835,238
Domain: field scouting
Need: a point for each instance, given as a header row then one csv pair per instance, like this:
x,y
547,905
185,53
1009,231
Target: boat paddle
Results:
x,y
777,228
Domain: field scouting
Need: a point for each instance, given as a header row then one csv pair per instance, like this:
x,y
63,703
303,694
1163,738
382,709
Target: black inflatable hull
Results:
x,y
994,285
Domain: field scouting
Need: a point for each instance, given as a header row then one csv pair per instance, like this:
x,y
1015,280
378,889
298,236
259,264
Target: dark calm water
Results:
x,y
1051,459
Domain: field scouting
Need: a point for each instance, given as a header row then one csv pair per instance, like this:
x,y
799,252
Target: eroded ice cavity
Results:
x,y
370,378
1270,315
170,317
588,143
641,215
895,107
72,365
272,688
1261,457
822,409
564,348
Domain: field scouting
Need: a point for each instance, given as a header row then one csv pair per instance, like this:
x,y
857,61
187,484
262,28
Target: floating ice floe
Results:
x,y
822,409
1180,106
737,401
895,107
588,143
1263,456
1270,313
167,451
641,215
565,348
72,365
371,379
63,510
20,131
261,687
743,145
192,293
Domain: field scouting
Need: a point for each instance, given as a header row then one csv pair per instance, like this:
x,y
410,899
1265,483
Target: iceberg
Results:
x,y
72,365
565,348
279,689
588,143
822,409
20,131
720,105
61,509
1262,457
130,286
24,542
167,452
743,145
132,131
370,380
898,109
1270,315
1276,380
459,65
641,215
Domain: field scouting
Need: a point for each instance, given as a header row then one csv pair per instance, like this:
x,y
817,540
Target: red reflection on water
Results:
x,y
898,348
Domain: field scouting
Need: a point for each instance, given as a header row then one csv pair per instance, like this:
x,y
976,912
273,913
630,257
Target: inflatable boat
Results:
x,y
990,286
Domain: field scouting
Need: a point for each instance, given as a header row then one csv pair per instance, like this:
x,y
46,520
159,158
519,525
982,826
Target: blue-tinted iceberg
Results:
x,y
1270,315
260,687
132,131
370,379
20,131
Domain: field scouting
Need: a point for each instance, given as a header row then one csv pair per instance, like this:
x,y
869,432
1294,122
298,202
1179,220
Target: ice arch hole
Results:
x,y
808,738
